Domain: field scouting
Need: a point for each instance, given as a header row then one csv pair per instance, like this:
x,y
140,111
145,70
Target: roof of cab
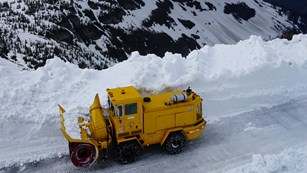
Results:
x,y
123,94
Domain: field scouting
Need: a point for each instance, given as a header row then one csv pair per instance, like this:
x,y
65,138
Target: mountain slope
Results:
x,y
97,34
255,96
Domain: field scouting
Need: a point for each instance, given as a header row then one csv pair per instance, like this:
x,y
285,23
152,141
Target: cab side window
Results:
x,y
110,104
119,110
130,108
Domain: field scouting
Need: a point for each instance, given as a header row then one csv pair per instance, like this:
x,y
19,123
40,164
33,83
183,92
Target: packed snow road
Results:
x,y
224,145
255,97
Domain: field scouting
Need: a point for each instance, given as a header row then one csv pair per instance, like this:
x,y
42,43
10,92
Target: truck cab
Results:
x,y
125,111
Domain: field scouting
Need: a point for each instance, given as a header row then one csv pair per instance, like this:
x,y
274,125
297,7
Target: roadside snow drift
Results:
x,y
252,75
290,161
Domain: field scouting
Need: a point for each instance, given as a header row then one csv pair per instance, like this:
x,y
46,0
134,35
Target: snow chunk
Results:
x,y
250,126
288,161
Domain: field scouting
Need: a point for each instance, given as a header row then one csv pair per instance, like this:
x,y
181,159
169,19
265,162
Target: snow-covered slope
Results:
x,y
255,96
97,34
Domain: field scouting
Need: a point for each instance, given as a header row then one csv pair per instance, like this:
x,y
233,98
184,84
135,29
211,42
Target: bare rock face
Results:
x,y
97,34
240,11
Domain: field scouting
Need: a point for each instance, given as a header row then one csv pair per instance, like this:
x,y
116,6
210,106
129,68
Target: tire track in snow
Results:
x,y
224,144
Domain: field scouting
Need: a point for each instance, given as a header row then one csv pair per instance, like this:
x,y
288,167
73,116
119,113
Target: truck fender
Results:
x,y
129,139
168,132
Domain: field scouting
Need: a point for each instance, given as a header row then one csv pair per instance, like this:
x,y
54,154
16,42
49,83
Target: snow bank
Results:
x,y
219,62
288,161
230,78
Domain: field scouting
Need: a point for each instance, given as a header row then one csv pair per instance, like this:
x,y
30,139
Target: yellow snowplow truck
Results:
x,y
132,122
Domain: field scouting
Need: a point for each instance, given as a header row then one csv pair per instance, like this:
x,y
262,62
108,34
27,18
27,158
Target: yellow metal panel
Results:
x,y
185,118
150,123
171,110
123,95
165,122
167,133
157,102
99,132
129,139
62,111
170,118
194,131
152,138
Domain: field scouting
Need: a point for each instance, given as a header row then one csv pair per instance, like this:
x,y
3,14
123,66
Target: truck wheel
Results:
x,y
175,142
126,152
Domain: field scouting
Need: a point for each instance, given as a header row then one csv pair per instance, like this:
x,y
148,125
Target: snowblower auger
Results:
x,y
82,151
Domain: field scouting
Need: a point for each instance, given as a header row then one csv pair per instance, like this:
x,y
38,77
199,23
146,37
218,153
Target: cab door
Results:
x,y
130,118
